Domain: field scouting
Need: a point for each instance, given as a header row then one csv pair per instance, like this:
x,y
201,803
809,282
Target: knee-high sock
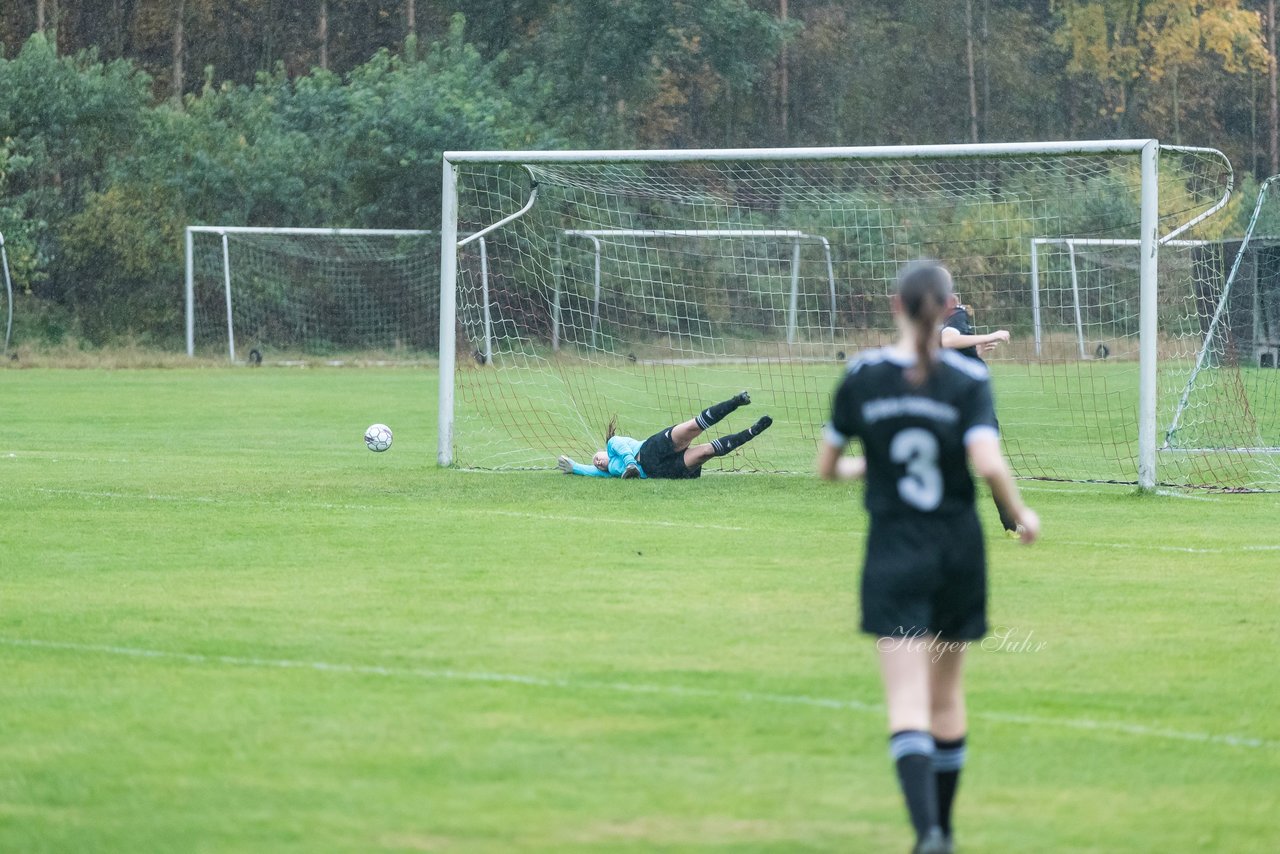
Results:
x,y
948,761
1006,518
713,414
726,444
912,752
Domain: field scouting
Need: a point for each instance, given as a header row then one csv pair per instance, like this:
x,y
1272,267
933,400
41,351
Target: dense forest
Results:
x,y
121,121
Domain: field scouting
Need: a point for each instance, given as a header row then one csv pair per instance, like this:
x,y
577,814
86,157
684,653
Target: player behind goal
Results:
x,y
923,415
957,334
670,453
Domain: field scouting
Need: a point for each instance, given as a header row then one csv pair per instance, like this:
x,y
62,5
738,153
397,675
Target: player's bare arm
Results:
x,y
955,340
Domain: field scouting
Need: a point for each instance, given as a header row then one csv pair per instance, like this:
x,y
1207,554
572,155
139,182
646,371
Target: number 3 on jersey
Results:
x,y
917,449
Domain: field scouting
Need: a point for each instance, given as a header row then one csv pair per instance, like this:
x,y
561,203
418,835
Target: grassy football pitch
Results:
x,y
226,626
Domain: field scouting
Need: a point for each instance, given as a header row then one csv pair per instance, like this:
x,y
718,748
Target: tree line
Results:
x,y
121,121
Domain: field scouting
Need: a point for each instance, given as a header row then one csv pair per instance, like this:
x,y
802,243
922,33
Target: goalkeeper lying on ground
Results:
x,y
670,453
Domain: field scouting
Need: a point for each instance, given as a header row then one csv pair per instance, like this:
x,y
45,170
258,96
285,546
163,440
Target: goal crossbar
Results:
x,y
896,152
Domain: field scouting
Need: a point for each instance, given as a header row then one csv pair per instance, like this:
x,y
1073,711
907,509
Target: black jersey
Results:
x,y
959,321
913,436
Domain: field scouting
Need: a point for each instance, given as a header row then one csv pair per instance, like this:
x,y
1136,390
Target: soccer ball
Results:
x,y
378,437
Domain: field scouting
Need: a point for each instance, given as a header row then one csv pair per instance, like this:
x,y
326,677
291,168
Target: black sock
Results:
x,y
948,760
713,414
1006,518
912,751
726,444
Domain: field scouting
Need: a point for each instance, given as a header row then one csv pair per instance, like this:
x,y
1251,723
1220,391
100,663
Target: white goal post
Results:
x,y
558,351
8,293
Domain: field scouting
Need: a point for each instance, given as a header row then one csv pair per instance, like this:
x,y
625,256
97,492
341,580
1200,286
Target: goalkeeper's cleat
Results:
x,y
742,398
631,472
760,426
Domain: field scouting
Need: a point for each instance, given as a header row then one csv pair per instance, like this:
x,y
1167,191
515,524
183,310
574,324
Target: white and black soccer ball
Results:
x,y
378,437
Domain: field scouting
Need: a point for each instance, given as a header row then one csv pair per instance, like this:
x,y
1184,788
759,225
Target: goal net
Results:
x,y
1227,409
1215,407
646,285
295,293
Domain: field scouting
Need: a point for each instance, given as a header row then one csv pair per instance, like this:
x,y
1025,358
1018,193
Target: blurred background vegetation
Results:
x,y
122,121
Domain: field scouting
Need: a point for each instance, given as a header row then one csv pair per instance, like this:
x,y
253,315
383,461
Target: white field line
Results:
x,y
1194,550
136,496
1168,493
1072,488
600,520
545,517
1102,489
749,697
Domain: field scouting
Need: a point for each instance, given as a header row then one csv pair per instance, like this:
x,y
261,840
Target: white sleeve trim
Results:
x,y
834,437
979,431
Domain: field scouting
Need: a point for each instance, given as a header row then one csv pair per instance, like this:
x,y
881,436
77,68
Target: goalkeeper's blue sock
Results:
x,y
713,414
727,444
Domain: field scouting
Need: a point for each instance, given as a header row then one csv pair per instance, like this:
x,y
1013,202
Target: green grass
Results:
x,y
225,626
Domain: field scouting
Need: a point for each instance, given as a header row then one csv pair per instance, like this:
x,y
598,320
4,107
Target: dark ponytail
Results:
x,y
924,288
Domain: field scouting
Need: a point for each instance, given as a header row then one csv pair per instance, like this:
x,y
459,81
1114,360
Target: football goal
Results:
x,y
1080,283
294,293
645,284
1219,392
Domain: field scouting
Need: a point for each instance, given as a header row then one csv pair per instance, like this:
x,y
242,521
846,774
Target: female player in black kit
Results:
x,y
957,334
923,415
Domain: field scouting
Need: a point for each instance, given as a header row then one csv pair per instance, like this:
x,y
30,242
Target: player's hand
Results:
x,y
1000,335
1028,526
565,465
984,349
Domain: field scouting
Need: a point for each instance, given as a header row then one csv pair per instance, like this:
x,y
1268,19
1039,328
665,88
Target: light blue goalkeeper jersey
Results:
x,y
622,453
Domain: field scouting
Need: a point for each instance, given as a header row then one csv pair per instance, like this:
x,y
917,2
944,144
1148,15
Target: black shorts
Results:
x,y
660,459
925,575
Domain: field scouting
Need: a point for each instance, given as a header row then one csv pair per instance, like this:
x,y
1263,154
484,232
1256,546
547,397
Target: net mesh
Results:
x,y
335,295
1224,424
648,290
